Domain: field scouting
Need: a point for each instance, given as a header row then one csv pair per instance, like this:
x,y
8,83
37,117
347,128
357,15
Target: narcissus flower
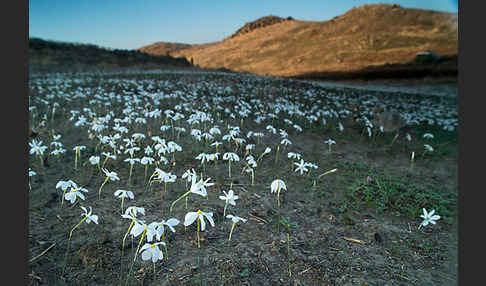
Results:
x,y
201,224
151,251
428,217
276,186
235,220
192,216
75,193
229,198
89,216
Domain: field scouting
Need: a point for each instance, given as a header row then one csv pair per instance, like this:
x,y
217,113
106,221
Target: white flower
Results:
x,y
124,194
203,184
196,187
189,173
301,166
131,161
64,185
171,223
192,216
138,228
152,251
428,136
229,197
94,160
428,218
236,219
89,216
340,126
36,147
74,193
277,185
231,156
79,148
147,160
131,212
113,176
285,142
428,147
216,143
330,141
293,155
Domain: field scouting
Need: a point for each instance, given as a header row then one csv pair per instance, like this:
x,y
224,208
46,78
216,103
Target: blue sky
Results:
x,y
132,24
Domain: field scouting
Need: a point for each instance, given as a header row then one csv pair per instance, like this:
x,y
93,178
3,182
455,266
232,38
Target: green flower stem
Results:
x,y
126,234
99,191
123,243
76,226
181,197
198,226
288,253
166,252
231,232
62,197
123,199
104,162
229,169
41,160
154,271
69,244
130,174
135,256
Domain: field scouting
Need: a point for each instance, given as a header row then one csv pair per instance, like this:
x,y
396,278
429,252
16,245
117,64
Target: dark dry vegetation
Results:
x,y
45,55
357,226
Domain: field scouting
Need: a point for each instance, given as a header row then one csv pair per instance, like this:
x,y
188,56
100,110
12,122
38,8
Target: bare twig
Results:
x,y
42,253
257,218
354,240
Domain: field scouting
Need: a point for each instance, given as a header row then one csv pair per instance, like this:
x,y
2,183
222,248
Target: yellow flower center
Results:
x,y
152,246
199,212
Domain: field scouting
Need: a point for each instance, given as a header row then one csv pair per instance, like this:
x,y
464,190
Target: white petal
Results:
x,y
145,246
190,218
209,216
172,222
94,218
203,223
80,195
146,255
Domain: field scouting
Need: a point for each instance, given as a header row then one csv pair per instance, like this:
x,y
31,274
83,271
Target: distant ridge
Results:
x,y
367,37
259,23
46,53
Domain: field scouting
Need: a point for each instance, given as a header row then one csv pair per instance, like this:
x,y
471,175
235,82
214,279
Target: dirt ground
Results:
x,y
336,238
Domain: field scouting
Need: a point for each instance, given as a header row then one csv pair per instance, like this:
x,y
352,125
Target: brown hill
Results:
x,y
49,55
163,48
260,23
365,37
